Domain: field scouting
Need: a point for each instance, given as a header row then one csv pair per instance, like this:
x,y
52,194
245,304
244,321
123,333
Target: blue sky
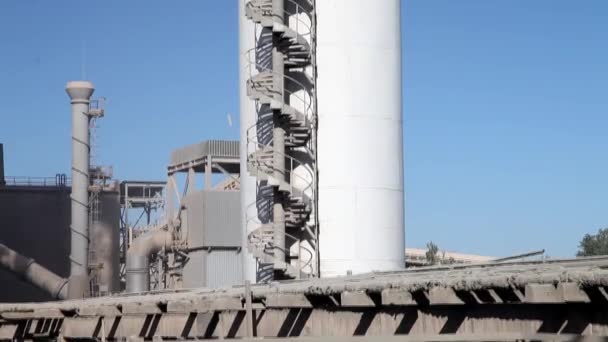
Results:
x,y
505,105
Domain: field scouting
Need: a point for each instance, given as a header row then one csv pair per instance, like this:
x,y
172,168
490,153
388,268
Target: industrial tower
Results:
x,y
321,137
281,153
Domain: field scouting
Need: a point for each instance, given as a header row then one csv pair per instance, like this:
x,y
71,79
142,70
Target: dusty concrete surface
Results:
x,y
584,272
556,299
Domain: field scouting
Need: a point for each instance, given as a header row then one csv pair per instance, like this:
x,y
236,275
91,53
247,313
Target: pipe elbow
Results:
x,y
150,243
138,273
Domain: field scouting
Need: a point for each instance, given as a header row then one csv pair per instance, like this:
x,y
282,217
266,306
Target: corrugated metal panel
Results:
x,y
194,270
213,219
213,148
221,219
223,148
212,223
224,268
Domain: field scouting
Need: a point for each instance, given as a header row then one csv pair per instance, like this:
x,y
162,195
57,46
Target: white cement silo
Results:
x,y
360,136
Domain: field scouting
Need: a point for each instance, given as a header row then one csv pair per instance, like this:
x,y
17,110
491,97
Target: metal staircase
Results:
x,y
283,228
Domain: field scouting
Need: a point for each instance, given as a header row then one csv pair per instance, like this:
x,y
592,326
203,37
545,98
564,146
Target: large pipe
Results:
x,y
80,94
33,273
138,258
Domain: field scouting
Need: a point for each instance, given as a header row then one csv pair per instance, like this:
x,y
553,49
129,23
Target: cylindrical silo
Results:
x,y
80,94
247,41
360,136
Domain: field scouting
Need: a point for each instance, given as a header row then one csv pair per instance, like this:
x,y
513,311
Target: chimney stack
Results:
x,y
80,94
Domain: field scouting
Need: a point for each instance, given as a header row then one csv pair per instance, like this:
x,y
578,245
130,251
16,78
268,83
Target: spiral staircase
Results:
x,y
282,227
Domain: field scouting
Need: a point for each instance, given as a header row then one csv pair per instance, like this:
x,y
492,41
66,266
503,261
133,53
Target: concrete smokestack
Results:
x,y
80,94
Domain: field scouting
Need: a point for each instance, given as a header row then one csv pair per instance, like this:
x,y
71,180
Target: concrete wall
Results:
x,y
35,221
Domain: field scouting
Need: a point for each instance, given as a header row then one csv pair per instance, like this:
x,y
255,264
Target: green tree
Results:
x,y
596,244
432,253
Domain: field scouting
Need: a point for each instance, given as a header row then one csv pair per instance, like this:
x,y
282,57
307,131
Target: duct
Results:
x,y
33,273
138,258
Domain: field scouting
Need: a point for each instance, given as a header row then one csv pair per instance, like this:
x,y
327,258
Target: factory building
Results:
x,y
312,192
209,213
36,223
83,235
314,188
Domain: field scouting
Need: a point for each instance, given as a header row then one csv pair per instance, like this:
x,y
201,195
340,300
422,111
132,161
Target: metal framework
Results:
x,y
283,229
212,157
139,200
544,300
99,178
60,180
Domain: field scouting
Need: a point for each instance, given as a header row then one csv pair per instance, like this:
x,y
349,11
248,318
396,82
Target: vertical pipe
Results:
x,y
80,93
208,173
278,142
170,196
137,274
278,8
278,71
138,258
278,213
126,238
2,181
247,40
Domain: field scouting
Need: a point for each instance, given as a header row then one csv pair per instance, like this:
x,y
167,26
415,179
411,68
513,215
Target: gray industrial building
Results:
x,y
214,239
36,223
204,250
209,215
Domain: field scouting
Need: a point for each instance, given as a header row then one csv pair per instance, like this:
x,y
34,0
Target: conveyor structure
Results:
x,y
491,302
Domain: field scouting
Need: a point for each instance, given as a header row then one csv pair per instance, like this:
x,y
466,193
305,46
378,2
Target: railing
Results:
x,y
299,23
253,221
291,165
60,180
254,68
269,248
97,107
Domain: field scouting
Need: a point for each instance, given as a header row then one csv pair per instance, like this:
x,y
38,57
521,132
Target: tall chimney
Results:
x,y
80,94
2,181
